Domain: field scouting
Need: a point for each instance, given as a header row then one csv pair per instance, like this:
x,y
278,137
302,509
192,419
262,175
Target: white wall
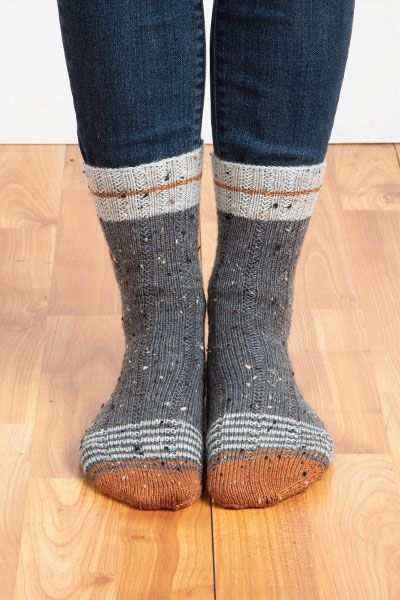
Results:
x,y
36,104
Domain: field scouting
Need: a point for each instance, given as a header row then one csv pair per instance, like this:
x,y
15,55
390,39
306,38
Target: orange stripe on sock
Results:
x,y
255,192
156,188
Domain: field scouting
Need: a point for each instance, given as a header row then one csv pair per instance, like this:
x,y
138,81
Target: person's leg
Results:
x,y
277,69
137,77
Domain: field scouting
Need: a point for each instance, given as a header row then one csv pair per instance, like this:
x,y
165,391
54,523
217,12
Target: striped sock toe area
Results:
x,y
255,461
150,465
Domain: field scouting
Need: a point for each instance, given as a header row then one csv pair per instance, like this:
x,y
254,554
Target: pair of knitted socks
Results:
x,y
263,443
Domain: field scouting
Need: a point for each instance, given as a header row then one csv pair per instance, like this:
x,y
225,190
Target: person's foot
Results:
x,y
145,446
264,443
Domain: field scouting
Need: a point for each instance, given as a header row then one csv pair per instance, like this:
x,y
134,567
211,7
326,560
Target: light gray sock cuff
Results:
x,y
267,193
163,186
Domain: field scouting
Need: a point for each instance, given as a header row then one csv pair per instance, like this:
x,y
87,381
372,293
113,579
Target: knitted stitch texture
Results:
x,y
145,446
264,443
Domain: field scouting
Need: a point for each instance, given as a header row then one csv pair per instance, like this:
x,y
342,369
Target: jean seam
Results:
x,y
215,98
200,69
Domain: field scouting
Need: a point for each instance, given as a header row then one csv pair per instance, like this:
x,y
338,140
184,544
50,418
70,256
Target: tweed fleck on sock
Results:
x,y
145,446
264,443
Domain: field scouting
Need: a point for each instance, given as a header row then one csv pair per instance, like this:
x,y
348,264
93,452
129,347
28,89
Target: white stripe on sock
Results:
x,y
99,456
147,190
267,193
233,420
247,431
144,443
144,428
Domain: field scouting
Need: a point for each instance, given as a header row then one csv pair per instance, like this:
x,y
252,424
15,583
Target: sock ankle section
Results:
x,y
164,186
266,193
145,446
264,442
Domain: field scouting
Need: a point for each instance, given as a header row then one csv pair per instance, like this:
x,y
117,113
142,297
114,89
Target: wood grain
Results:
x,y
345,395
21,353
397,146
367,177
25,279
69,543
83,280
324,278
373,239
30,184
356,529
60,351
15,442
166,556
81,363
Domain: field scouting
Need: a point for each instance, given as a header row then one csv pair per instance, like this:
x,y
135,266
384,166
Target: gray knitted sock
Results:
x,y
264,443
145,446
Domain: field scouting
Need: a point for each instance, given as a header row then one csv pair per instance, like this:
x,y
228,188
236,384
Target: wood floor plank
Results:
x,y
339,540
367,176
81,364
21,352
69,542
397,146
340,330
329,330
387,372
30,184
265,553
25,274
356,529
333,365
342,388
323,277
15,442
373,242
83,280
25,278
166,556
77,543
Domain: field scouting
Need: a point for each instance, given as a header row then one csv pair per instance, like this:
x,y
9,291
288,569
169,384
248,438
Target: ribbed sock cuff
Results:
x,y
267,193
164,186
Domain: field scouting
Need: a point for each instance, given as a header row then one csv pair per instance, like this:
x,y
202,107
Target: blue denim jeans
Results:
x,y
137,73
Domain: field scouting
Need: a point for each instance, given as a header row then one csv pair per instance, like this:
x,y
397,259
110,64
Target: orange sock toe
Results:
x,y
261,480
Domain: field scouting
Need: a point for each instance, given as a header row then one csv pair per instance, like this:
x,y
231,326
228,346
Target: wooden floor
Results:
x,y
60,350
